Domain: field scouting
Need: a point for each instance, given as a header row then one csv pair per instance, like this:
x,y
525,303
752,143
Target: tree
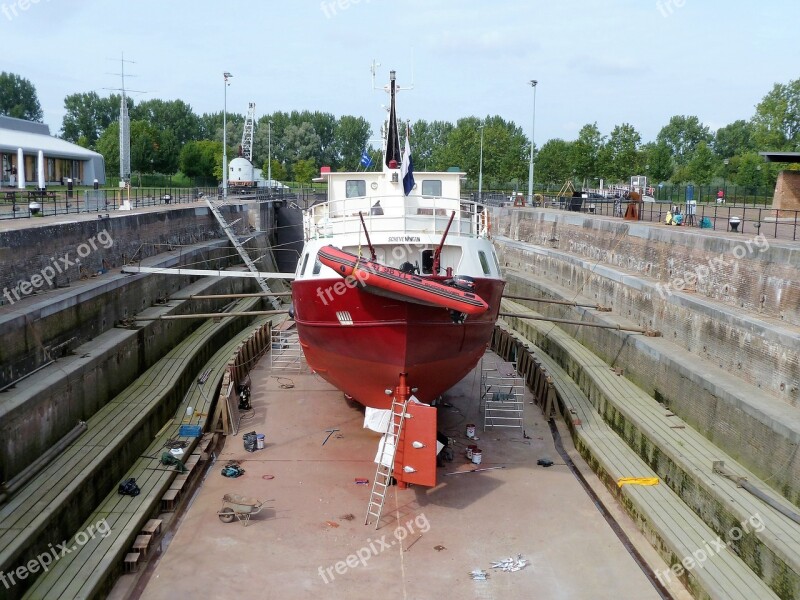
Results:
x,y
750,171
18,98
144,147
733,139
108,145
301,142
777,120
553,162
278,170
198,158
702,165
429,141
586,152
173,115
88,115
304,170
682,135
658,159
352,135
622,152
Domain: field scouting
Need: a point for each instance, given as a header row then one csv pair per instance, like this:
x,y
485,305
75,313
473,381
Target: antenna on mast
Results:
x,y
124,122
374,69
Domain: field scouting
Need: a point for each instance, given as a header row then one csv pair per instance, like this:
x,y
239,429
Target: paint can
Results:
x,y
477,456
260,441
470,430
189,411
470,450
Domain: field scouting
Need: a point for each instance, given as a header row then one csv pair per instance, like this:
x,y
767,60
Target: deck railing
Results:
x,y
388,214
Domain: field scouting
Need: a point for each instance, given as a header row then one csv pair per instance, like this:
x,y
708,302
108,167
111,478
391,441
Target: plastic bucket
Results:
x,y
477,456
260,441
470,430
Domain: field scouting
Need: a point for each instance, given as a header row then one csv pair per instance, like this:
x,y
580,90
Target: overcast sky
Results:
x,y
611,61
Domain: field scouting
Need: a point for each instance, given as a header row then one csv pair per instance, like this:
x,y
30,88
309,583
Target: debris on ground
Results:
x,y
362,481
439,548
348,517
331,523
479,575
510,565
544,462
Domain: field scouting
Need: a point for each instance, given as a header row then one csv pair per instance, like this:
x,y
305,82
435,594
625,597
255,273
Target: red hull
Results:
x,y
389,337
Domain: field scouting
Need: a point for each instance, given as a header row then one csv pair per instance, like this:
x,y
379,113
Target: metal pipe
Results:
x,y
16,381
219,296
33,469
718,466
571,322
562,302
249,313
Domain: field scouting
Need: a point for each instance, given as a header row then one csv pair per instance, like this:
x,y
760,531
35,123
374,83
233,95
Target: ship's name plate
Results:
x,y
404,238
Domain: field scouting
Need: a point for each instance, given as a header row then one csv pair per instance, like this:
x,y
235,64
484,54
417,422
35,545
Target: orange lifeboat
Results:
x,y
406,286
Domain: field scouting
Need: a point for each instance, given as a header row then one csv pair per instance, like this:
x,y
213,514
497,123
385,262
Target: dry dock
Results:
x,y
313,543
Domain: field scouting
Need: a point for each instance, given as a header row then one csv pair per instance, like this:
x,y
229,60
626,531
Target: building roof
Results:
x,y
781,157
32,137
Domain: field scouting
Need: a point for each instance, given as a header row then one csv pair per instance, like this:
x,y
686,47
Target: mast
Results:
x,y
392,152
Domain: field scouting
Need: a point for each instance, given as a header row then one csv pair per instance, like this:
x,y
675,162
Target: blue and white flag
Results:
x,y
366,159
407,167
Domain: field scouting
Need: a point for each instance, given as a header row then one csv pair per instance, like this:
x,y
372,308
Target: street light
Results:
x,y
533,83
227,76
480,169
269,154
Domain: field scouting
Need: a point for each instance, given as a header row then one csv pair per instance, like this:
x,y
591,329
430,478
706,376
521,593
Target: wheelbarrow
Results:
x,y
239,507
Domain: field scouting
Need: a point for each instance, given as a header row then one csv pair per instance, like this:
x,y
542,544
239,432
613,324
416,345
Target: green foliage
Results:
x,y
658,161
304,170
88,115
429,141
18,98
682,135
586,152
750,170
777,120
169,115
702,165
733,139
352,135
553,161
622,152
278,171
301,142
108,145
199,159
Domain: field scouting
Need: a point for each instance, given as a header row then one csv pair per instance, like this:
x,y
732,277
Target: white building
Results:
x,y
63,160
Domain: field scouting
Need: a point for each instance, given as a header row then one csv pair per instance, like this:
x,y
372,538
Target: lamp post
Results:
x,y
269,154
480,168
227,76
533,83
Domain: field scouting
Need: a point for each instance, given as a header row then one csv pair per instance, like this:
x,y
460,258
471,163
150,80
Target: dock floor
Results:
x,y
429,539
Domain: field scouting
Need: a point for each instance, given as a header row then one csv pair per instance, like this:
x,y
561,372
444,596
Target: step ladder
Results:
x,y
502,395
383,473
228,229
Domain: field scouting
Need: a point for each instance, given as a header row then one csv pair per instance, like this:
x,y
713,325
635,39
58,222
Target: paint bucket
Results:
x,y
470,430
477,455
470,449
260,441
189,411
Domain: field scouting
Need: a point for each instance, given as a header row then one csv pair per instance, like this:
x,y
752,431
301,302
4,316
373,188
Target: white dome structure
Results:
x,y
240,170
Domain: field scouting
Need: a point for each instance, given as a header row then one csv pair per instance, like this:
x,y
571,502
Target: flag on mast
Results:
x,y
366,159
407,167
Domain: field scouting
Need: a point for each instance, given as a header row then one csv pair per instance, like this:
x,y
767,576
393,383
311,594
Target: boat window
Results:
x,y
431,187
305,264
317,266
427,261
355,188
484,262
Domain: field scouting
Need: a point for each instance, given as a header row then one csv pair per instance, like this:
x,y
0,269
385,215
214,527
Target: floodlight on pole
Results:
x,y
532,83
480,168
227,76
269,154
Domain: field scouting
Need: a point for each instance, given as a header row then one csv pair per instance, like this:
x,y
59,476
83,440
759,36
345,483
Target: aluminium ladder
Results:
x,y
383,473
226,227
